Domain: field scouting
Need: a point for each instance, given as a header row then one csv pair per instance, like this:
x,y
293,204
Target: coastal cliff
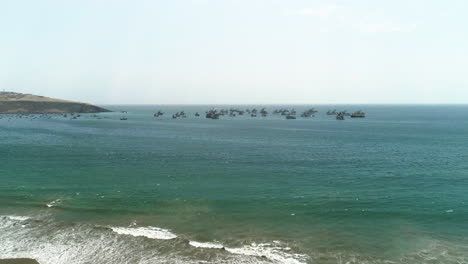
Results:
x,y
12,103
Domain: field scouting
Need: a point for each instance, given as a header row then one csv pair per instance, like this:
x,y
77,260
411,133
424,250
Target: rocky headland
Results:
x,y
18,103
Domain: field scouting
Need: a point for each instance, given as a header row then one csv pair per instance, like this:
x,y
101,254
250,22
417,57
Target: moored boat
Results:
x,y
340,116
358,114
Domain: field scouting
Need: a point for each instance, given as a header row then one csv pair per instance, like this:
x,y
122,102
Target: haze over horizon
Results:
x,y
236,51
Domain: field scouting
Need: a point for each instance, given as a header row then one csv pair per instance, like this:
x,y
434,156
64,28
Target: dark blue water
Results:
x,y
389,188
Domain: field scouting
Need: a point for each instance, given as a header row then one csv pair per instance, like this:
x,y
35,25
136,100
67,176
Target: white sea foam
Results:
x,y
84,243
89,245
149,232
17,217
206,244
274,253
54,203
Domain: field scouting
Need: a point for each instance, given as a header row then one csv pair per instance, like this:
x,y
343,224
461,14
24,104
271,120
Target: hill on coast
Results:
x,y
12,103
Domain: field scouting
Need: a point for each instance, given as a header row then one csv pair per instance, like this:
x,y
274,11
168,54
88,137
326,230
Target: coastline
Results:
x,y
17,103
19,261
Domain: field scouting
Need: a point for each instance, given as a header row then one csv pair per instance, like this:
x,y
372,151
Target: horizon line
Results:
x,y
276,104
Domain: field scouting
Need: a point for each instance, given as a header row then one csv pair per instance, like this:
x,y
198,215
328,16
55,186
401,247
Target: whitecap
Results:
x,y
149,232
206,244
273,253
17,217
54,203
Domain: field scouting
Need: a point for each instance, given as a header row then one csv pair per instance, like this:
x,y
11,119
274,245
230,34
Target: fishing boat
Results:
x,y
158,114
358,114
340,116
213,114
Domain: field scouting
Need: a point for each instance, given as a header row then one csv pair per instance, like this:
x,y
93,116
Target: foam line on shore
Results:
x,y
51,242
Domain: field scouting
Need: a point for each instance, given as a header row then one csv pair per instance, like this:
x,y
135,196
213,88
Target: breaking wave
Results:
x,y
206,244
53,242
149,232
271,251
54,203
17,217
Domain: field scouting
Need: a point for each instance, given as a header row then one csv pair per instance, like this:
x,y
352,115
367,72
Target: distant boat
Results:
x,y
197,114
358,114
123,118
158,114
290,117
340,116
309,113
213,114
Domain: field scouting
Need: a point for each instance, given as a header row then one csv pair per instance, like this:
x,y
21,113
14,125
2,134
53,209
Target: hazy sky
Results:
x,y
236,51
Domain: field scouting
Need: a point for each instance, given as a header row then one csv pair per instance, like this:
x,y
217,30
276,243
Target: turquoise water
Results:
x,y
390,188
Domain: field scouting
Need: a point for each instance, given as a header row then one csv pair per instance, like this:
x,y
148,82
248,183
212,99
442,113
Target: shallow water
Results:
x,y
390,188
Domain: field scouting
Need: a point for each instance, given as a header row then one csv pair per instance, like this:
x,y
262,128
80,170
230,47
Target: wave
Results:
x,y
270,251
149,232
206,244
54,203
53,242
17,217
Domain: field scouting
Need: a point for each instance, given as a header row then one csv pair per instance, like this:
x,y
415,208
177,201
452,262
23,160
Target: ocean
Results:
x,y
388,188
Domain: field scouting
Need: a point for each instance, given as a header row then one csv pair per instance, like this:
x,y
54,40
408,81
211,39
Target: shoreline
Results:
x,y
19,261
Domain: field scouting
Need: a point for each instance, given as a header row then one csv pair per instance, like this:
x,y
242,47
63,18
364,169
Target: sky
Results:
x,y
236,51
